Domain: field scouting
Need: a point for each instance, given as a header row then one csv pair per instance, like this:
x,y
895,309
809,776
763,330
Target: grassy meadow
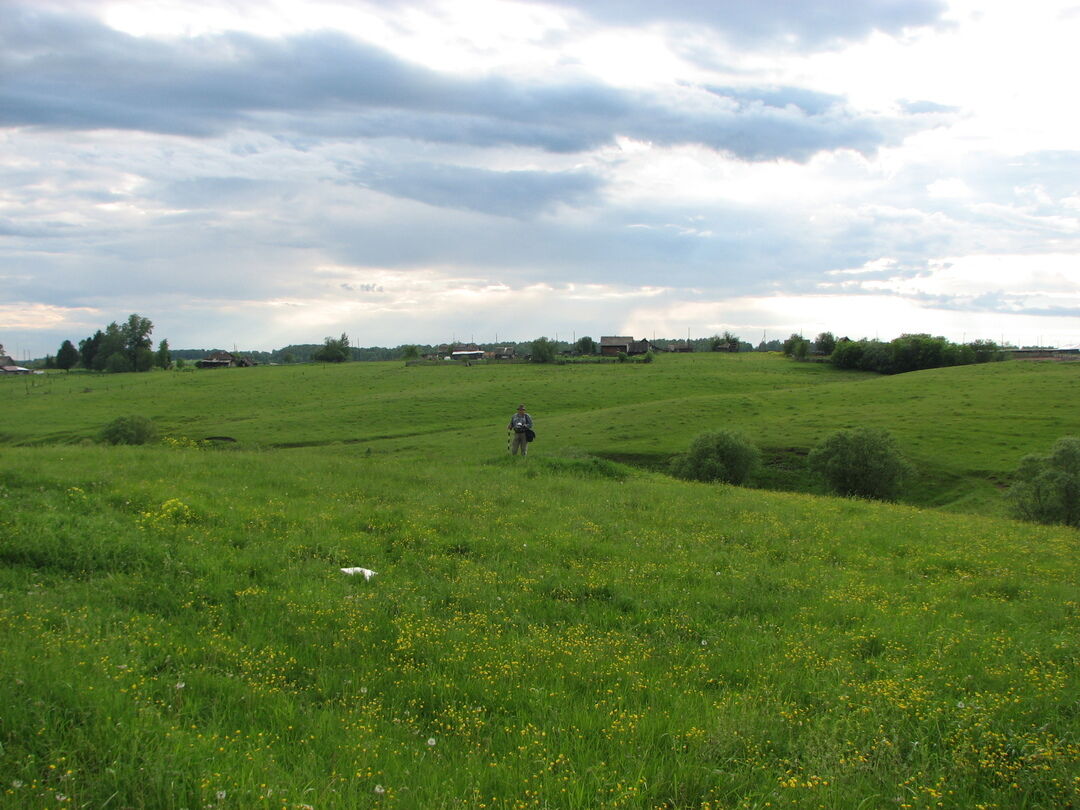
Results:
x,y
574,630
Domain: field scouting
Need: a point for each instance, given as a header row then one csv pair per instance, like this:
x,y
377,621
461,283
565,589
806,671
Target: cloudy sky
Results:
x,y
264,172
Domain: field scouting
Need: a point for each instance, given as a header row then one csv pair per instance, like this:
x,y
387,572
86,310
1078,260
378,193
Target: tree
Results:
x,y
117,363
986,351
796,346
110,355
825,343
163,358
864,463
67,356
847,353
585,346
543,351
1047,488
88,349
410,352
724,456
137,345
333,351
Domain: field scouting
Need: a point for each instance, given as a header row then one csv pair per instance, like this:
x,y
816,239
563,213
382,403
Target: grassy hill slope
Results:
x,y
541,634
559,632
964,428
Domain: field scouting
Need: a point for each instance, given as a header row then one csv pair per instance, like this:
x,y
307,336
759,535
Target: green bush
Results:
x,y
130,430
722,456
543,351
1047,488
863,462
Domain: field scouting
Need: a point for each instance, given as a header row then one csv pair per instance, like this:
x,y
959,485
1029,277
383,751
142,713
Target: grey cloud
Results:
x,y
998,302
33,231
216,192
513,193
78,74
793,23
809,102
743,250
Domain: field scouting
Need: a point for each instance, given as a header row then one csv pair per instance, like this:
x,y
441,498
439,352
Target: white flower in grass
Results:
x,y
180,684
380,789
431,741
220,795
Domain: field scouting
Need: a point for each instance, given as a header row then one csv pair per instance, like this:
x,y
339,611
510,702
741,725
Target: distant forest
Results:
x,y
304,352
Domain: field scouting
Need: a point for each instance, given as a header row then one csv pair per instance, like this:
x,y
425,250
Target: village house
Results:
x,y
614,345
223,360
8,364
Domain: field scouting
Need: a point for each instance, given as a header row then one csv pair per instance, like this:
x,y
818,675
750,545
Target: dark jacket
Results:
x,y
520,422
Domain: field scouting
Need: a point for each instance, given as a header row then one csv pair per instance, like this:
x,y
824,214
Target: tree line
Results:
x,y
120,347
909,352
127,347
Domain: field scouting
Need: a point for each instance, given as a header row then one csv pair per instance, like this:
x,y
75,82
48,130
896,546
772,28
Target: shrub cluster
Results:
x,y
911,353
722,456
1047,488
129,430
864,463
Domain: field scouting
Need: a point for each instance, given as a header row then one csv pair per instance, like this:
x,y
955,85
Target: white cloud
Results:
x,y
950,188
260,173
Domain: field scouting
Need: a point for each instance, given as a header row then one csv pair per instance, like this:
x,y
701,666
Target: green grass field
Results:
x,y
564,631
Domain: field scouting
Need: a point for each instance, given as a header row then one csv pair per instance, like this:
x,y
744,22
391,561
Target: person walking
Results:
x,y
521,424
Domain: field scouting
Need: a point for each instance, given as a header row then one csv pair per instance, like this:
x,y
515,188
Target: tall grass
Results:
x,y
560,631
177,633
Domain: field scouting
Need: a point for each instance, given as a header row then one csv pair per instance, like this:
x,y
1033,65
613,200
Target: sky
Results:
x,y
258,173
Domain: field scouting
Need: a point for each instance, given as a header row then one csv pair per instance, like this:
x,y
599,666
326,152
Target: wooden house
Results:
x,y
614,345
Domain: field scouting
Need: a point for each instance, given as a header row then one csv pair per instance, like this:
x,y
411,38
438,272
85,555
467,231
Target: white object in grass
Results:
x,y
367,572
